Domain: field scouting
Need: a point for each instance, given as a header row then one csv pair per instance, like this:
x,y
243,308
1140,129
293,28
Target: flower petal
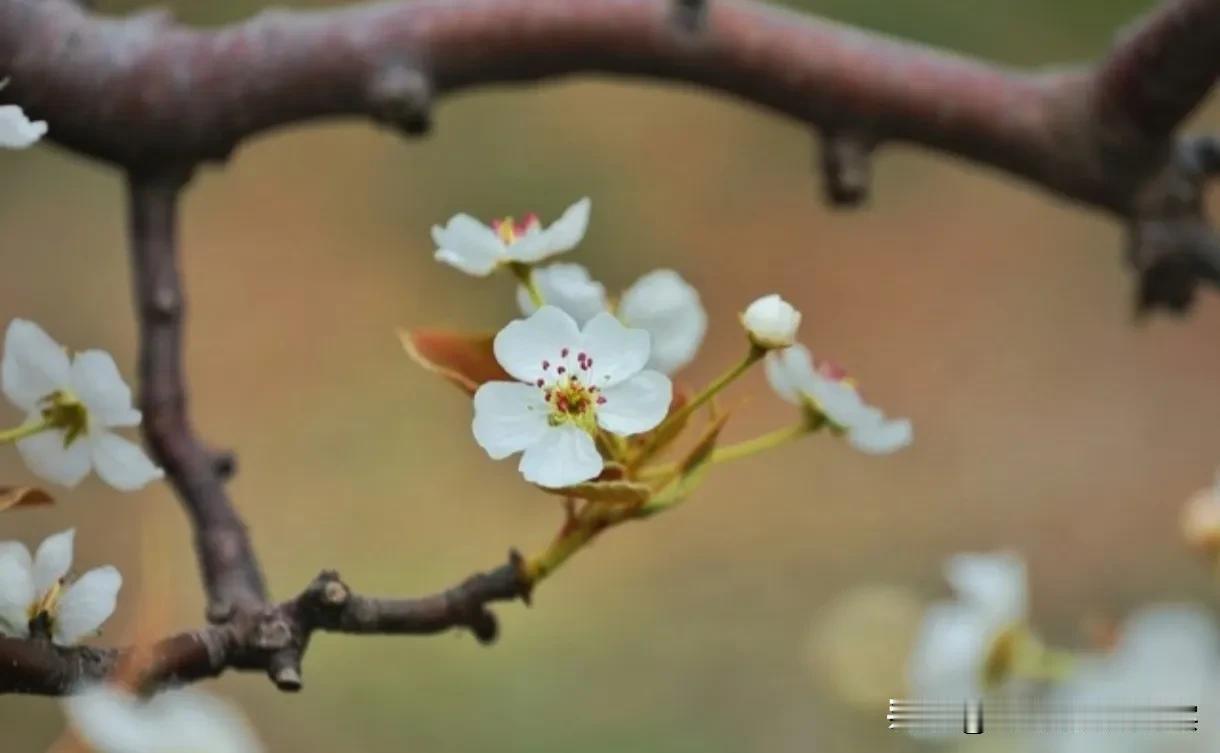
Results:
x,y
86,604
508,417
33,365
53,560
569,287
565,455
17,590
881,437
110,720
468,245
97,382
841,404
44,454
122,463
946,663
790,373
995,584
563,235
637,404
523,346
16,130
616,351
668,307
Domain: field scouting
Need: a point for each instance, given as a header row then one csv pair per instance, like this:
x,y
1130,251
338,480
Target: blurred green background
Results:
x,y
995,316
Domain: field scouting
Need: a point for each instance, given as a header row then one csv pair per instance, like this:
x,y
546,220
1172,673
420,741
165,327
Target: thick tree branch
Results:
x,y
273,640
230,570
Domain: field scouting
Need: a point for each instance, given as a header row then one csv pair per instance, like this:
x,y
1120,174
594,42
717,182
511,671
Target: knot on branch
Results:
x,y
401,94
1172,245
690,15
846,167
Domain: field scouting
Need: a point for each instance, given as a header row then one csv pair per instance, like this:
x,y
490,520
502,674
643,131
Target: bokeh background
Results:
x,y
997,317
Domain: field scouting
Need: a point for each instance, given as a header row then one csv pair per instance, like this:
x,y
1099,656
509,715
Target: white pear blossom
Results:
x,y
111,720
661,303
81,399
34,588
476,249
771,322
16,130
572,382
1167,654
792,374
962,645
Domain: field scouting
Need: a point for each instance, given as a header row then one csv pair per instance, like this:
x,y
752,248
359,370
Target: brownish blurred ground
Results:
x,y
996,317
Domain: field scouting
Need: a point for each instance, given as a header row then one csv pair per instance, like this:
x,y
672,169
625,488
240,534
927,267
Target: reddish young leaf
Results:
x,y
464,358
23,496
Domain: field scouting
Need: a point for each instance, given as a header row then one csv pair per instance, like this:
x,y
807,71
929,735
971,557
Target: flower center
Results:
x,y
510,231
569,391
63,410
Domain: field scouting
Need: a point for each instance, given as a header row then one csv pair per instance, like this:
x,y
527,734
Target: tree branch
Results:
x,y
230,570
273,640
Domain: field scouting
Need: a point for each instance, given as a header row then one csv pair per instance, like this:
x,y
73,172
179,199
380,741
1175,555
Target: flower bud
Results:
x,y
771,322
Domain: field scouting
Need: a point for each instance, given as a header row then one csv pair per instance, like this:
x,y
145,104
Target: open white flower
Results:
x,y
476,249
571,383
660,303
16,130
81,399
33,589
793,376
964,646
111,720
771,322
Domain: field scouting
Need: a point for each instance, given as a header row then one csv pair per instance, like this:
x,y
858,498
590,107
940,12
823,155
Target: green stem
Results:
x,y
724,380
737,450
525,275
26,430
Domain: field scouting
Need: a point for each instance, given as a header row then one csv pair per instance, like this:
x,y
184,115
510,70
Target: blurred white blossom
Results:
x,y
476,249
34,588
111,720
793,376
572,383
771,322
660,303
16,130
80,400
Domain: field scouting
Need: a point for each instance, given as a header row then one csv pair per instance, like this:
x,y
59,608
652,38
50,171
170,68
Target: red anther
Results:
x,y
560,370
540,382
528,221
601,400
564,353
546,364
589,363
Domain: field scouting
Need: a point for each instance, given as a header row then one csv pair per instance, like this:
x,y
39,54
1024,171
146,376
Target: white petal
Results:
x,y
17,590
86,604
881,437
469,245
508,417
617,352
109,720
636,405
790,373
523,346
16,130
46,456
995,584
122,463
841,403
563,235
33,365
96,381
113,721
946,662
771,322
566,286
565,455
668,307
194,720
53,560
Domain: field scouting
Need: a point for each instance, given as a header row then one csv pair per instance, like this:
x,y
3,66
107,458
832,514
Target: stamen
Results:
x,y
601,399
545,364
540,382
560,370
563,353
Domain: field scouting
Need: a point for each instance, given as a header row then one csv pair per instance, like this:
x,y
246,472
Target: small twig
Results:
x,y
846,167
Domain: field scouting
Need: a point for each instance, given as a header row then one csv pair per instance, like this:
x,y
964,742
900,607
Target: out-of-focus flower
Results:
x,y
971,645
571,383
34,589
78,401
825,389
1201,520
111,720
771,322
661,303
1167,654
16,130
476,249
